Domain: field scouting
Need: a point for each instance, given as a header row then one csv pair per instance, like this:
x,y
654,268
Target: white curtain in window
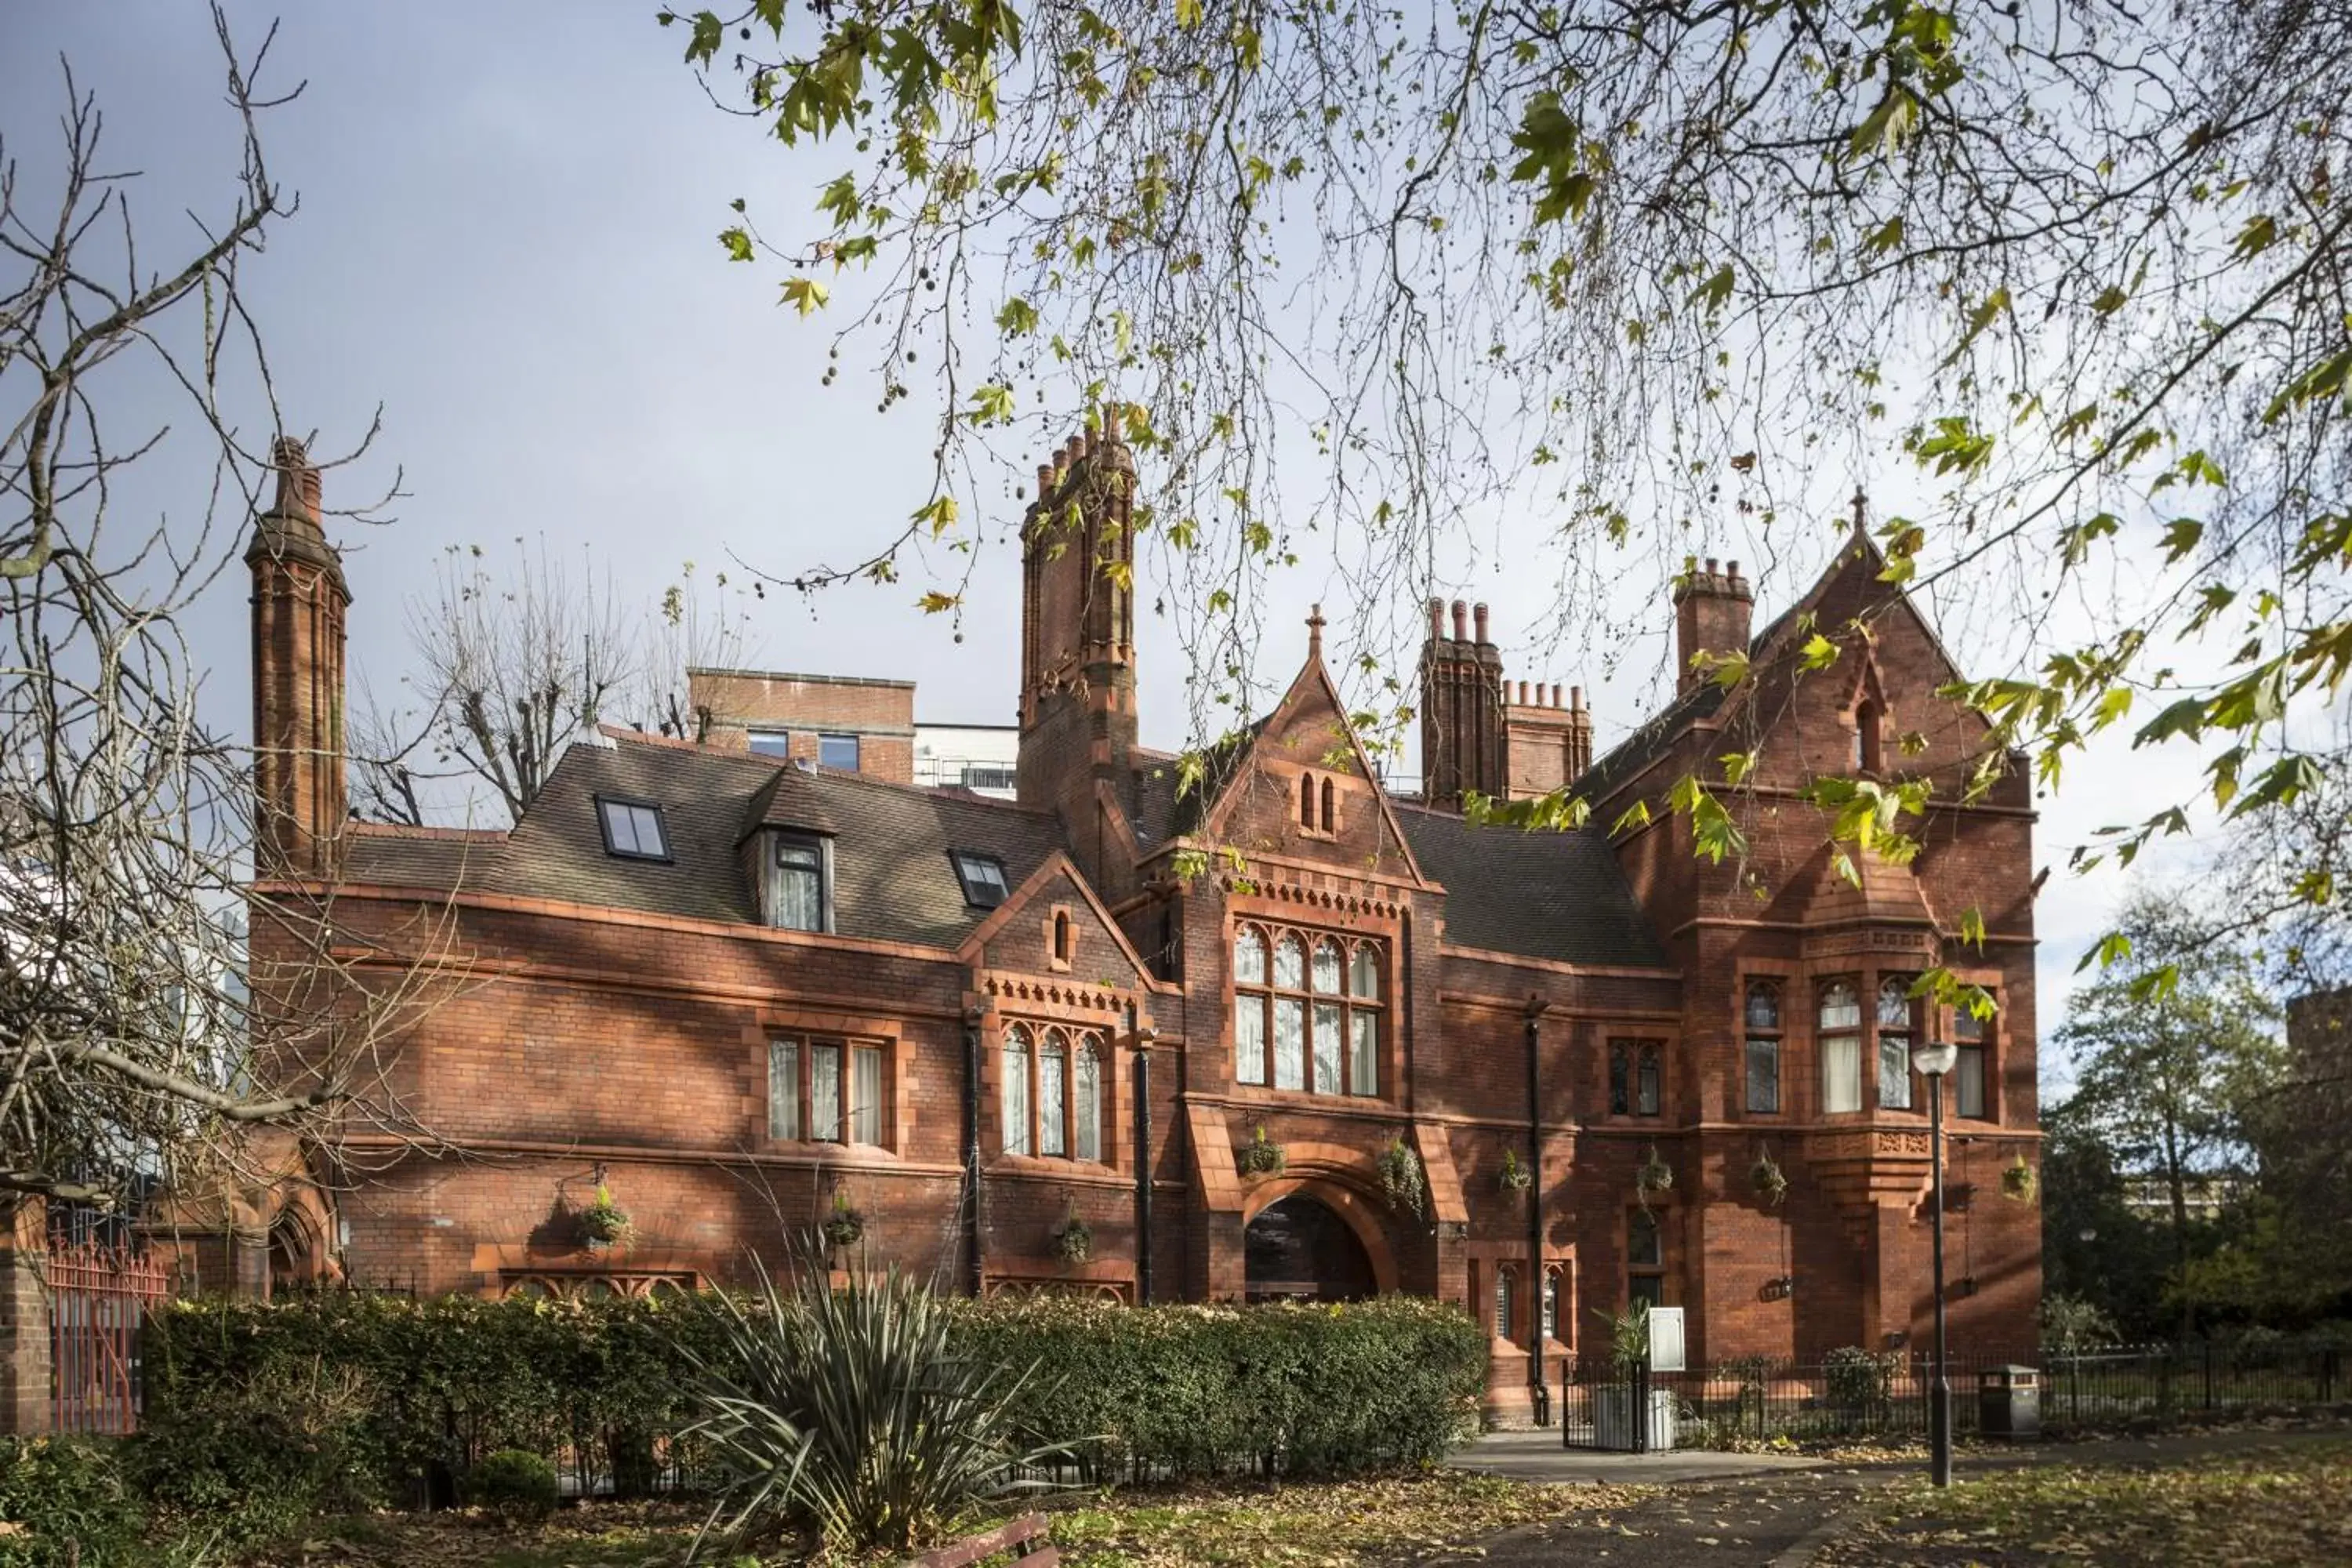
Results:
x,y
1289,1044
1087,1102
1842,1074
1764,1076
1840,1007
1367,978
825,1094
1895,1071
783,1089
1364,1070
1327,1048
1327,966
1051,1062
1249,1038
1968,1082
1014,1097
799,887
866,1094
1249,958
1290,963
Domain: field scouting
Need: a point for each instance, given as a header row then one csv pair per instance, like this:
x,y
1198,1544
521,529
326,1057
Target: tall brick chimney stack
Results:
x,y
1078,637
299,603
1548,743
1462,731
1712,608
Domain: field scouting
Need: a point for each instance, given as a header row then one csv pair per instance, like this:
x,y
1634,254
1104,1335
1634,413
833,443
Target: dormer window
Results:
x,y
982,877
800,883
633,829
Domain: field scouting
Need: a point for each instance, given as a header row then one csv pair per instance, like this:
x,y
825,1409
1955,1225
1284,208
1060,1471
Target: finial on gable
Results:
x,y
1315,632
1861,509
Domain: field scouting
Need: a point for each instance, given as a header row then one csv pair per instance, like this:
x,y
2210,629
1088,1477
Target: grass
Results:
x,y
1337,1524
2283,1507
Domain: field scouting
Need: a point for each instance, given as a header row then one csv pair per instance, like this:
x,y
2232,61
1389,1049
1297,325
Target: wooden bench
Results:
x,y
1026,1538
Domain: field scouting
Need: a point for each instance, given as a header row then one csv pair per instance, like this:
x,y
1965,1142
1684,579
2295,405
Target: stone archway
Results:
x,y
1309,1240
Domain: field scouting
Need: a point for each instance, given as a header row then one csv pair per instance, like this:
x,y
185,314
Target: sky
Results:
x,y
506,240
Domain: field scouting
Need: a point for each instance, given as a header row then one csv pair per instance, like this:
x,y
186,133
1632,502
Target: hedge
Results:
x,y
66,1502
345,1400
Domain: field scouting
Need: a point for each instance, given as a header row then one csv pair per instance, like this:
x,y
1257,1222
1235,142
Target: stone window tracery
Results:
x,y
1050,1100
1310,1020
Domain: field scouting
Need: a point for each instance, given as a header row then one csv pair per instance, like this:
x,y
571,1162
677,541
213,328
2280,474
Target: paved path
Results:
x,y
1730,1510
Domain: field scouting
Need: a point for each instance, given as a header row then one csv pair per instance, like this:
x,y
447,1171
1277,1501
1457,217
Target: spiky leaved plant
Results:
x,y
851,1413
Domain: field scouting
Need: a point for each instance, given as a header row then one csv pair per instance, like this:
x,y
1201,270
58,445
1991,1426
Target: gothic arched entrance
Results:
x,y
1297,1249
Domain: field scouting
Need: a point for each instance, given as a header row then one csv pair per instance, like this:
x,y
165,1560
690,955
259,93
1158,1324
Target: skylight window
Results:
x,y
982,877
633,829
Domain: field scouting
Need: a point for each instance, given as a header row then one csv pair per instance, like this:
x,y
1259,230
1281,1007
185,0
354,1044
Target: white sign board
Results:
x,y
1665,1339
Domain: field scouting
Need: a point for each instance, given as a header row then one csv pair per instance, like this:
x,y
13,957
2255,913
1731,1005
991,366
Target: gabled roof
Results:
x,y
1556,896
893,880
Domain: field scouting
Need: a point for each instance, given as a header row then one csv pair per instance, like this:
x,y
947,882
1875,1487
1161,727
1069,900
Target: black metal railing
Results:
x,y
1863,1397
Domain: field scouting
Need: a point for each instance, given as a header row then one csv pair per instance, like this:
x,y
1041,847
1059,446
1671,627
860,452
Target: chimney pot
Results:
x,y
1436,620
1461,621
1712,567
1523,693
1575,698
1478,613
1554,694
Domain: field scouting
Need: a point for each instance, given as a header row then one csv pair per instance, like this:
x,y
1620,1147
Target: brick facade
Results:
x,y
578,1041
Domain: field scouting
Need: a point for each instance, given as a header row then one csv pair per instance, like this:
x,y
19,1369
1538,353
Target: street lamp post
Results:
x,y
1933,1059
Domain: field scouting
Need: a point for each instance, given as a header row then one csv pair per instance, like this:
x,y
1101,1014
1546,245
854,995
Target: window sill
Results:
x,y
1049,1165
842,1153
1307,1099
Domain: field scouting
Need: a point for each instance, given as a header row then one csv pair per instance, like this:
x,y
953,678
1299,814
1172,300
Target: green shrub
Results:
x,y
1859,1379
69,1501
515,1484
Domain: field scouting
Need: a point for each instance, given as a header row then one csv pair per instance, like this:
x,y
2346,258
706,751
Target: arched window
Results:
x,y
1550,1307
1298,1021
1650,1088
1062,935
1504,1281
1866,740
1894,1043
1305,800
1763,1005
1053,1063
1085,1101
1840,1018
1331,822
1015,1098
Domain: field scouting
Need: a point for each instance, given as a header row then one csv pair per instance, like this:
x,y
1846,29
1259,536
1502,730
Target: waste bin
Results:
x,y
2009,1402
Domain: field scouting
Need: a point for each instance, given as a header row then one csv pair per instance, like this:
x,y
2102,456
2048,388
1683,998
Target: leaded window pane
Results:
x,y
1366,979
825,1094
1894,1003
1643,1250
1763,1007
1840,1006
1364,1070
1764,1077
1651,1073
1327,967
1052,1061
1327,1047
1249,1039
1014,1101
1290,963
1968,1082
1894,1072
1503,1313
1087,1101
1289,1044
1621,1076
1249,958
785,1089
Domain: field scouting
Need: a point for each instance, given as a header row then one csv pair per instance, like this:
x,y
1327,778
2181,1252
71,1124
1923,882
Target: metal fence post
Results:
x,y
2209,1374
1642,1406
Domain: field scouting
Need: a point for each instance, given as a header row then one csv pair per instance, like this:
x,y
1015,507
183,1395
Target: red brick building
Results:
x,y
738,990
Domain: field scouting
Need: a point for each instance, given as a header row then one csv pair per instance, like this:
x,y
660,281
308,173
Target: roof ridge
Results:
x,y
420,830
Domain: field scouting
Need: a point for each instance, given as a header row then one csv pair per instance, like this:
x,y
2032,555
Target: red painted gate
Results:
x,y
99,1296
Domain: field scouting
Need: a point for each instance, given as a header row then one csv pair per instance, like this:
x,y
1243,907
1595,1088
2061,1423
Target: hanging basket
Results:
x,y
603,1224
1401,1177
1261,1156
1074,1240
844,1227
1771,1181
1514,1177
1654,1175
2021,1181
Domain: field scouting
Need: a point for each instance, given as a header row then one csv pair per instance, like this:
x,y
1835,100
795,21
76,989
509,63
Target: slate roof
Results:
x,y
1558,896
893,880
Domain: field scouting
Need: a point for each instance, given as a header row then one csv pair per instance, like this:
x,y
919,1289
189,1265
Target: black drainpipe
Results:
x,y
1540,1393
971,1264
1142,1162
1407,999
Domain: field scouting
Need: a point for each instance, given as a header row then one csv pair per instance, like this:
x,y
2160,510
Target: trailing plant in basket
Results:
x,y
1515,1177
1401,1177
604,1223
1771,1182
1262,1156
1654,1176
2020,1181
1073,1239
844,1227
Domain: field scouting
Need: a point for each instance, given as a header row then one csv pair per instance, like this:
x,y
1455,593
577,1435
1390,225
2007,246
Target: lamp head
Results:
x,y
1935,1057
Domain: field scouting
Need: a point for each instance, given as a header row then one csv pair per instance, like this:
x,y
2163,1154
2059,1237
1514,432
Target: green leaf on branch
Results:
x,y
737,243
805,295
